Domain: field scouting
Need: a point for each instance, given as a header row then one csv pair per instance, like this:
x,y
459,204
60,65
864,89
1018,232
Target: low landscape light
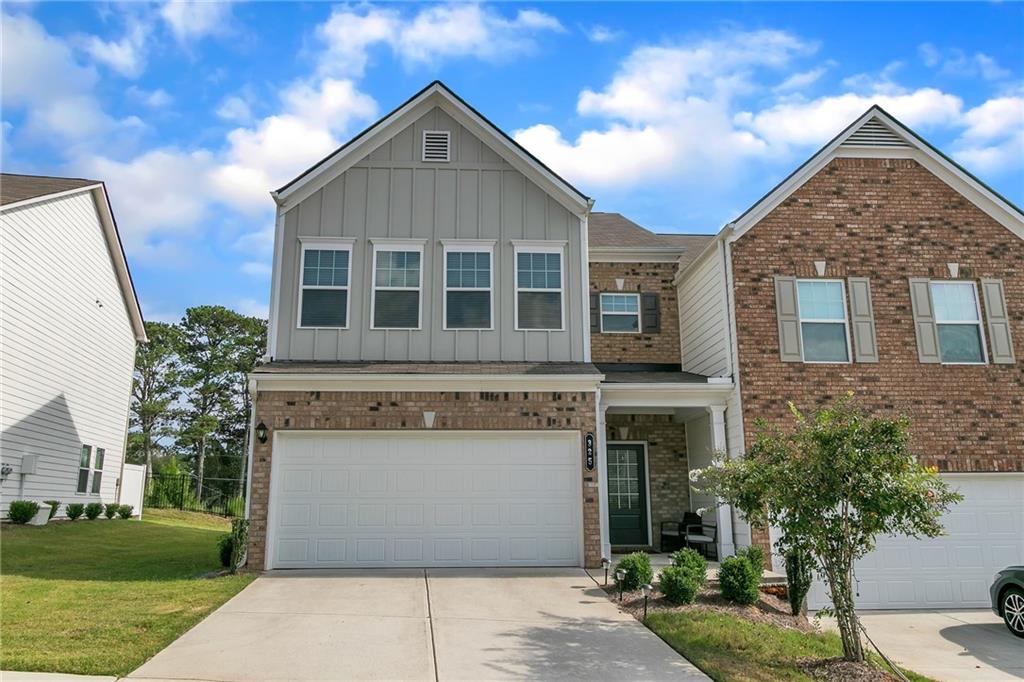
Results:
x,y
261,432
647,588
620,575
606,563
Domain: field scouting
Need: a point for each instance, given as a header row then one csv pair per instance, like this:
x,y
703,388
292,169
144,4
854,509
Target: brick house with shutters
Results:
x,y
468,366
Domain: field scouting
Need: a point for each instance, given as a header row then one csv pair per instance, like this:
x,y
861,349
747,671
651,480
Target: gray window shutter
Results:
x,y
787,312
862,320
595,312
924,320
650,313
998,321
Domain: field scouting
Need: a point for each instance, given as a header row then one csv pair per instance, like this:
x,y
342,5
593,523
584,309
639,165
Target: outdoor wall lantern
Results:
x,y
620,575
647,588
261,432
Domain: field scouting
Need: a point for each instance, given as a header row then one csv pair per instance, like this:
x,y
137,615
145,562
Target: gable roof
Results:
x,y
23,190
876,133
434,94
614,237
15,187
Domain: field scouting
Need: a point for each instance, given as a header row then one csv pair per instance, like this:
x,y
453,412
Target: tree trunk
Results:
x,y
200,465
841,591
148,445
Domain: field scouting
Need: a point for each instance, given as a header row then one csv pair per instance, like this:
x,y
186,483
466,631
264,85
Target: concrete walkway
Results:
x,y
959,645
441,624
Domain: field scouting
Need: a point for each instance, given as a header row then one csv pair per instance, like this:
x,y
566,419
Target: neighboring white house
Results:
x,y
69,324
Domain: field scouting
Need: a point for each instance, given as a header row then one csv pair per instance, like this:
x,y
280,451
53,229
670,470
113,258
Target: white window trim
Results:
x,y
846,323
468,246
396,245
602,313
528,246
87,468
978,322
92,481
325,244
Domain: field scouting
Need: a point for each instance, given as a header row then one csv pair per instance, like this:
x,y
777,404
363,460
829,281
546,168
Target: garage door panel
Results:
x,y
419,499
984,533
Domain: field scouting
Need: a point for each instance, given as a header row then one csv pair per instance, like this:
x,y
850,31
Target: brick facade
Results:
x,y
667,467
654,278
886,219
401,411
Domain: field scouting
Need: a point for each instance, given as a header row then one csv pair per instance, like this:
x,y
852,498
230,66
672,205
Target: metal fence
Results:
x,y
223,496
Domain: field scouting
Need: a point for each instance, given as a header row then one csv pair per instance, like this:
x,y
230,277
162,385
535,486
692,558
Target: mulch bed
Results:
x,y
769,610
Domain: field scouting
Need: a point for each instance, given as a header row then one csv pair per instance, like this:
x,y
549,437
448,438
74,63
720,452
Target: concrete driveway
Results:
x,y
959,645
439,624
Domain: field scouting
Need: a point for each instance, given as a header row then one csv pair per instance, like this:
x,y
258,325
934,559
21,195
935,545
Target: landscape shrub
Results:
x,y
755,555
125,511
110,510
638,570
225,545
74,510
239,543
691,561
22,511
93,510
679,585
54,506
739,580
798,578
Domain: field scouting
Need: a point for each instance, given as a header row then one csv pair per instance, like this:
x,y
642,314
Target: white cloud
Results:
x,y
154,99
433,34
126,56
268,154
956,62
601,34
235,109
259,242
662,106
813,122
190,20
256,269
252,307
993,140
801,80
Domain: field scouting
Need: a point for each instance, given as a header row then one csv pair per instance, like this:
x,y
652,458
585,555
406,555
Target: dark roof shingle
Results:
x,y
14,187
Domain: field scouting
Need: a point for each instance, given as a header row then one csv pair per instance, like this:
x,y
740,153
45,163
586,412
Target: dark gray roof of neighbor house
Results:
x,y
14,188
426,368
616,230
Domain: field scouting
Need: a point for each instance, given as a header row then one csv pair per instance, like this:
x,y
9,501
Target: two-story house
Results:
x,y
467,366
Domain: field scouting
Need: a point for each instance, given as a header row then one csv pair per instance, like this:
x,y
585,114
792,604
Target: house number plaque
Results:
x,y
589,444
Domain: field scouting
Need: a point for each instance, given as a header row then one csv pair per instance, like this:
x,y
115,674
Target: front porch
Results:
x,y
653,428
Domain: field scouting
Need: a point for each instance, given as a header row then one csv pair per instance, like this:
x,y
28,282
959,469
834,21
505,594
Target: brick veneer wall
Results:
x,y
666,462
283,410
886,219
653,278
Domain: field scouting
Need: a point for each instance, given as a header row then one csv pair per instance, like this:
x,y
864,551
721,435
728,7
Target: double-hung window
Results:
x,y
958,322
468,285
620,313
97,474
323,296
539,287
824,333
397,281
84,464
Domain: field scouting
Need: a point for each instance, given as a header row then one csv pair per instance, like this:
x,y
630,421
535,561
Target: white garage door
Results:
x,y
425,499
984,533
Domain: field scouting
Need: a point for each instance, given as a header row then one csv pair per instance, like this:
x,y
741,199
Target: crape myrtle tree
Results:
x,y
832,483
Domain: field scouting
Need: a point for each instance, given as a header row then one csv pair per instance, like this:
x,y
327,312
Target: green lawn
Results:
x,y
101,596
732,649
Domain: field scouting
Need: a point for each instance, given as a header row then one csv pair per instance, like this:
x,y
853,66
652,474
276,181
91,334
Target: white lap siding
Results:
x,y
66,349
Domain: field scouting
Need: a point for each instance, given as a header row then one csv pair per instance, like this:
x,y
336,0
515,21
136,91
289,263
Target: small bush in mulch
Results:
x,y
74,510
110,510
637,567
93,510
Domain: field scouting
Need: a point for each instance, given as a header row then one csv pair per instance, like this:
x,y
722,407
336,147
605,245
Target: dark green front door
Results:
x,y
627,495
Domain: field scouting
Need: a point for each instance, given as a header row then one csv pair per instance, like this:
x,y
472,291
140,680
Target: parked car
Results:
x,y
1008,598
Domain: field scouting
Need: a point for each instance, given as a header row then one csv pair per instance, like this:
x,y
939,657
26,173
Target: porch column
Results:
x,y
602,472
723,513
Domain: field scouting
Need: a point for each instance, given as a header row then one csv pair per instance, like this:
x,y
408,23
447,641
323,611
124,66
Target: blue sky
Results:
x,y
677,115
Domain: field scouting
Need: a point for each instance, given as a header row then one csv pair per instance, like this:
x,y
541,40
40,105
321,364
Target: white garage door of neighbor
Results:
x,y
421,498
984,533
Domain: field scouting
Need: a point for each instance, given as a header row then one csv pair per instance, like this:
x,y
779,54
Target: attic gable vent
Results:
x,y
437,145
874,133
